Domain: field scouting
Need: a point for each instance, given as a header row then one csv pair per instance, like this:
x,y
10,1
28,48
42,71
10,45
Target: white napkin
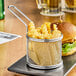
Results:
x,y
6,37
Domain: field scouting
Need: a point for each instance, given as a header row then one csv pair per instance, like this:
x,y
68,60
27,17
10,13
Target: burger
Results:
x,y
69,38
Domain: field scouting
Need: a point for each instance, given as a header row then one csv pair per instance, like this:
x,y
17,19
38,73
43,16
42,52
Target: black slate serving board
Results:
x,y
22,68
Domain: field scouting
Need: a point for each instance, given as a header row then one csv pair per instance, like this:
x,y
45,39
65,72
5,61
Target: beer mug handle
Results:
x,y
39,4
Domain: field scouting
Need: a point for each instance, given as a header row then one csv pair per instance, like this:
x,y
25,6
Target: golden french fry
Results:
x,y
47,36
55,27
32,53
40,36
44,29
56,34
39,29
54,54
31,26
58,48
48,27
43,53
33,33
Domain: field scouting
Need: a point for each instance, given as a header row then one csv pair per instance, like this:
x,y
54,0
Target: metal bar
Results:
x,y
9,7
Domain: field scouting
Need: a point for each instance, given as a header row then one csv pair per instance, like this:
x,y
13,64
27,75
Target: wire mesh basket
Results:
x,y
41,53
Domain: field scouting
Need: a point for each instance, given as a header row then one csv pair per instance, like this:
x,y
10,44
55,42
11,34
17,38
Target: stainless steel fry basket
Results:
x,y
41,53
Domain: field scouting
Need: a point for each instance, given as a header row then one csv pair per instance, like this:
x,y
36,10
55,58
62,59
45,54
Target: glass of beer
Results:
x,y
49,6
70,5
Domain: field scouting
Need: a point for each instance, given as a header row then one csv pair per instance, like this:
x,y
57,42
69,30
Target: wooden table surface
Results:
x,y
12,51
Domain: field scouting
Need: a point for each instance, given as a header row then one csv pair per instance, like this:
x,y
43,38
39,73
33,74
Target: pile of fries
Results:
x,y
43,32
44,53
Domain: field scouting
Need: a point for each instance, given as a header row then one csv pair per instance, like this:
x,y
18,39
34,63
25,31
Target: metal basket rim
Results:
x,y
45,40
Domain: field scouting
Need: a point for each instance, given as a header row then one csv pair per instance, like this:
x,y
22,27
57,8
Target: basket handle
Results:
x,y
9,7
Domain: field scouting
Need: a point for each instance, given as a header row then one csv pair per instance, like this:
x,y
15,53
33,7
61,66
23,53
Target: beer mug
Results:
x,y
49,6
70,5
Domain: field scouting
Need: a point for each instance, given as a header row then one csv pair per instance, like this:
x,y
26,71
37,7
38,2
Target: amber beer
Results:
x,y
51,5
71,3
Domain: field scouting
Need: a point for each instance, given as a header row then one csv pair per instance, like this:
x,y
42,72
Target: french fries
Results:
x,y
44,53
43,32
